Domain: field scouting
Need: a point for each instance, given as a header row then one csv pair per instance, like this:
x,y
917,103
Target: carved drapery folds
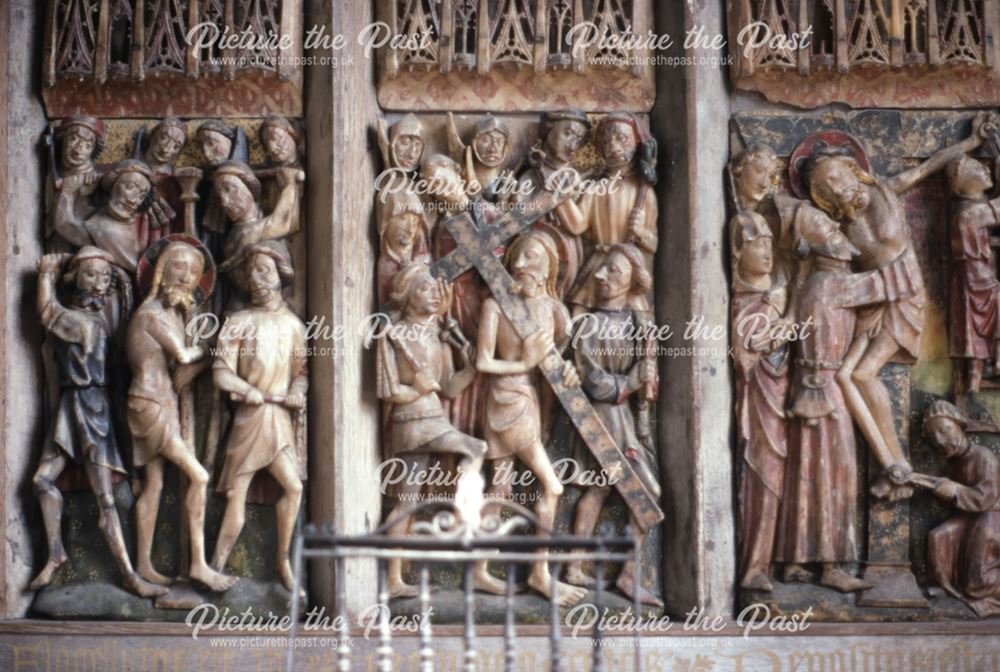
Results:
x,y
840,46
98,53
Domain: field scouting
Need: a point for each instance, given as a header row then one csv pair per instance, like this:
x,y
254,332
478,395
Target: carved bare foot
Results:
x,y
400,588
48,572
626,584
566,595
575,575
796,572
136,584
216,581
483,581
840,580
149,574
757,580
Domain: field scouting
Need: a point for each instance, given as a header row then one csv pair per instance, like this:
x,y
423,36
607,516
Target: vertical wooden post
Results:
x,y
139,41
989,18
541,37
483,38
193,64
446,43
390,61
49,47
101,56
933,34
579,55
744,60
804,52
896,27
229,55
290,24
841,36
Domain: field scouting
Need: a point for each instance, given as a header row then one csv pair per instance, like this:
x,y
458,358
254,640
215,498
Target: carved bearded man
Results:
x,y
514,411
156,343
83,429
117,228
627,213
415,369
262,365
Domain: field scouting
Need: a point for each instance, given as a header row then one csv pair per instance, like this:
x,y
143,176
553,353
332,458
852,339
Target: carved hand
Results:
x,y
253,397
295,400
536,347
424,384
570,376
192,354
287,176
50,264
160,213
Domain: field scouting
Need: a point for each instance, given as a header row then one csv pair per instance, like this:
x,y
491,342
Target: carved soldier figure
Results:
x,y
617,372
402,144
974,323
402,232
627,212
962,552
83,429
485,158
156,342
262,366
281,140
762,365
116,228
238,191
219,143
514,423
875,223
166,141
216,141
818,523
415,368
560,135
81,138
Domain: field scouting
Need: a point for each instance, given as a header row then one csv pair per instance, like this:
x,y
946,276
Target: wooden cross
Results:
x,y
475,249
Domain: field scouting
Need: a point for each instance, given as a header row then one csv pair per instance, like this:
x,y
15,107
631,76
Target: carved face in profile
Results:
x,y
618,144
613,278
407,150
263,278
424,297
565,138
970,177
235,198
166,144
946,434
128,194
78,147
836,186
280,146
215,146
490,148
93,277
757,175
181,267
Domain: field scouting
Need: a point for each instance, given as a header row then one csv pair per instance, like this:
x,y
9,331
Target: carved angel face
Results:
x,y
613,277
406,151
215,147
262,278
128,194
235,198
166,144
490,148
280,146
78,147
618,144
565,138
93,277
